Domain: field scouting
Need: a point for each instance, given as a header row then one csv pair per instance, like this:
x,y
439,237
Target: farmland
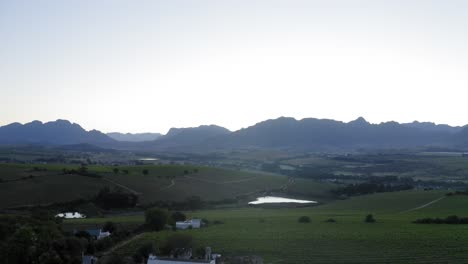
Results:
x,y
276,235
48,184
272,232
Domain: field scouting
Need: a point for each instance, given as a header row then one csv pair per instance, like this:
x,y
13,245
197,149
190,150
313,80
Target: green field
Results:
x,y
272,233
419,166
276,235
162,183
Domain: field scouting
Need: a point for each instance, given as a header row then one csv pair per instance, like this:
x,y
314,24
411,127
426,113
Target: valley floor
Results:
x,y
277,236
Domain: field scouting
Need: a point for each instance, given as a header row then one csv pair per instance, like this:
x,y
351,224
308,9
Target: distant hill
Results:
x,y
187,138
138,137
60,132
311,134
428,126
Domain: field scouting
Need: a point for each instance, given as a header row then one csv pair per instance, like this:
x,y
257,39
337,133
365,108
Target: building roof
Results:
x,y
89,260
185,260
94,232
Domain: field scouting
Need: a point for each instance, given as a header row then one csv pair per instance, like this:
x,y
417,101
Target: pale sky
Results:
x,y
146,66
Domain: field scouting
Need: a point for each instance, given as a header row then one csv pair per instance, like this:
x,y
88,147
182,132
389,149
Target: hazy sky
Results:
x,y
136,66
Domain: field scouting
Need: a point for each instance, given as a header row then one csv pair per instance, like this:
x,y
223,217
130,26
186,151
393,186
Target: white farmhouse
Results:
x,y
193,223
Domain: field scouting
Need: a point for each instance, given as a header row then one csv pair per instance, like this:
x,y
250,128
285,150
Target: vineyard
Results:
x,y
277,236
46,184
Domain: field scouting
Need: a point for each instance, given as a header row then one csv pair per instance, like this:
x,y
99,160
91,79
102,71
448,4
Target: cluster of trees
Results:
x,y
39,169
40,239
190,203
117,170
37,239
369,187
188,171
452,220
116,198
82,170
157,219
457,193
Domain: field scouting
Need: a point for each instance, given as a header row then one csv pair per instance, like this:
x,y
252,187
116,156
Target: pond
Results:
x,y
71,215
148,159
273,199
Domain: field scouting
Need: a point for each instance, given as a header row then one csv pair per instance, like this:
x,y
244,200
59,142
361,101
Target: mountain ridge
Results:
x,y
307,134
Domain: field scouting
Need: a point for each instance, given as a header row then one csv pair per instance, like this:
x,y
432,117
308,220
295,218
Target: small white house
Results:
x,y
193,223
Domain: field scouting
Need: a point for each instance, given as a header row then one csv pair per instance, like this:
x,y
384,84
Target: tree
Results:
x,y
369,219
116,170
50,257
117,198
178,216
109,227
83,234
156,218
175,244
144,251
194,202
83,169
145,172
21,245
199,252
114,259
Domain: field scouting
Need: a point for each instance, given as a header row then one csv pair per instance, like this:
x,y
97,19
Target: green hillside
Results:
x,y
43,184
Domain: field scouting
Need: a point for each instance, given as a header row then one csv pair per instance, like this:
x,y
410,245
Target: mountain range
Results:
x,y
60,132
309,134
137,137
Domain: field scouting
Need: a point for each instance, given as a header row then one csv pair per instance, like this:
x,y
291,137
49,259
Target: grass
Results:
x,y
276,235
163,182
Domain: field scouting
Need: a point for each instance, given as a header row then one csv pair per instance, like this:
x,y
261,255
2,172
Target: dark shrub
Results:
x,y
453,219
117,198
156,218
304,219
177,242
330,220
109,227
194,202
178,216
369,219
144,251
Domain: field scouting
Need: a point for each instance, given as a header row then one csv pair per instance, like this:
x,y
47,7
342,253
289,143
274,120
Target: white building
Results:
x,y
155,260
209,259
98,233
193,223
